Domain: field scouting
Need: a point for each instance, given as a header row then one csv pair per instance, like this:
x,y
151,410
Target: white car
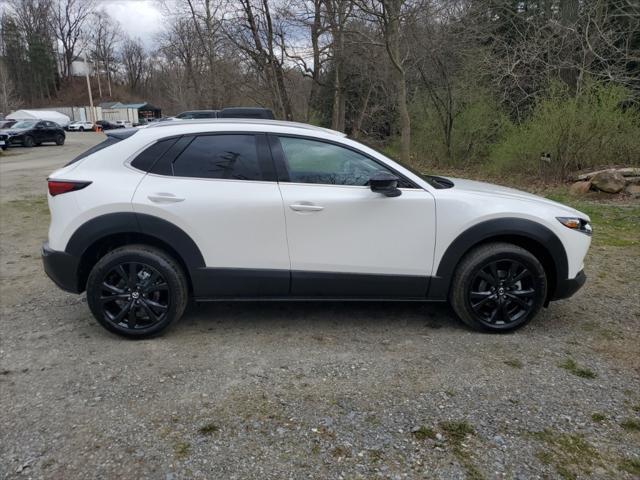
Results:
x,y
269,210
123,123
80,126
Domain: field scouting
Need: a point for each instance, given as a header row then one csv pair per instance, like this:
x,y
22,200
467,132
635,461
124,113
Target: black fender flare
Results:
x,y
505,228
130,222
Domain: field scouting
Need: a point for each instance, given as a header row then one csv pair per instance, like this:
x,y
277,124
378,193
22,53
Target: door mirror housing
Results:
x,y
385,183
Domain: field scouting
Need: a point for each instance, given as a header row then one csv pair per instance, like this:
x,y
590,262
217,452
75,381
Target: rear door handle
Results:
x,y
163,197
305,207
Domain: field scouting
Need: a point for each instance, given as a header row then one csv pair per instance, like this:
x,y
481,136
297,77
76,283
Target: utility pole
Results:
x,y
93,115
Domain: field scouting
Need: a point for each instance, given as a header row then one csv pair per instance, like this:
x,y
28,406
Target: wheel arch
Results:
x,y
102,234
530,235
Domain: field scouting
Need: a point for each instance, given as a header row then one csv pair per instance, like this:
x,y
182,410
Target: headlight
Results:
x,y
574,223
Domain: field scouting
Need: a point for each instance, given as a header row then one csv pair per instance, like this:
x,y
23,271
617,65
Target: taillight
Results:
x,y
56,187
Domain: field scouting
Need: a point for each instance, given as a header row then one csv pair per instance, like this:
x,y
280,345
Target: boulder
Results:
x,y
633,180
580,188
610,181
633,190
625,172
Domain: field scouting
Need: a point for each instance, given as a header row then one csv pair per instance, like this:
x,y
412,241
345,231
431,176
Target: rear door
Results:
x,y
221,190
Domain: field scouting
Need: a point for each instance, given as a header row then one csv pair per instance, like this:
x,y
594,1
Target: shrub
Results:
x,y
586,130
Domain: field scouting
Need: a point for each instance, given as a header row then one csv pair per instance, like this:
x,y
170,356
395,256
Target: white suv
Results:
x,y
258,209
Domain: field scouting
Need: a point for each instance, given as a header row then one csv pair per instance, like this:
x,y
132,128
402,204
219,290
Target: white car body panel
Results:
x,y
249,224
236,224
359,231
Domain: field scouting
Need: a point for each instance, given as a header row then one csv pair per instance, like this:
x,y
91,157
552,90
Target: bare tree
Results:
x,y
69,18
104,39
134,62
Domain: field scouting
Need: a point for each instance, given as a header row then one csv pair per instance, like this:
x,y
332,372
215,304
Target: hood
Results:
x,y
511,193
14,131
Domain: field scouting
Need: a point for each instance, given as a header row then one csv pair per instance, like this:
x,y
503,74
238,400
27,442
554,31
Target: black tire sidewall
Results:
x,y
28,141
173,276
60,140
462,302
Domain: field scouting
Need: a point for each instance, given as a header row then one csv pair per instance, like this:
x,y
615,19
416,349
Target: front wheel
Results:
x,y
28,141
498,287
81,129
137,291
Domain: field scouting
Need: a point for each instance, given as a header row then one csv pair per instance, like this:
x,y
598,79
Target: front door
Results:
x,y
220,189
344,239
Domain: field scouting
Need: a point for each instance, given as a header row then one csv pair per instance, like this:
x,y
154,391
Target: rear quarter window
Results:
x,y
147,159
96,148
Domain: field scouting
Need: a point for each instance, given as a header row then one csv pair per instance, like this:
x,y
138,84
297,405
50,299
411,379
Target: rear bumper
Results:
x,y
566,288
62,268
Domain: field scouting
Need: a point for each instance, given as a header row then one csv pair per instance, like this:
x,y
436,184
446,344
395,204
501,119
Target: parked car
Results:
x,y
191,114
255,210
4,124
32,132
107,125
81,126
230,112
123,124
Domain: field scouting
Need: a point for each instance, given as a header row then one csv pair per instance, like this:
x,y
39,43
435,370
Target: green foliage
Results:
x,y
459,135
582,372
585,130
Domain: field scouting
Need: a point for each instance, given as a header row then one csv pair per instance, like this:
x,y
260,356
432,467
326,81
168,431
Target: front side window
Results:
x,y
310,161
232,157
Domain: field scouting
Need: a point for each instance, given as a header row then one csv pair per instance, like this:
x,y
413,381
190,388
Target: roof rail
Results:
x,y
250,121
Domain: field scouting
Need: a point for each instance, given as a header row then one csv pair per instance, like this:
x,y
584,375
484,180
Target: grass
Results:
x,y
569,454
456,432
208,429
631,425
630,465
570,365
424,432
181,450
515,363
598,417
613,225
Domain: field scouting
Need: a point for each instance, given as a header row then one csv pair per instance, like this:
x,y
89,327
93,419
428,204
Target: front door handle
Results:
x,y
305,207
164,198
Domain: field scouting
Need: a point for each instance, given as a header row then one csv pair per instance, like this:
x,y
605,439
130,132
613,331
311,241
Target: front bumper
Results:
x,y
566,288
62,268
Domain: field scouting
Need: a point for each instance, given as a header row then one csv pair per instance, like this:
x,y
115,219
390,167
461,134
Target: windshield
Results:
x,y
24,124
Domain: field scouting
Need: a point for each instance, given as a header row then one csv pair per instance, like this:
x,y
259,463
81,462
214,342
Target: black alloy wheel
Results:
x,y
60,140
137,291
498,287
502,292
134,296
28,141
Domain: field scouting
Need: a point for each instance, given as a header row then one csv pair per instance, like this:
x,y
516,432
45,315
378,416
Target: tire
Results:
x,y
156,293
498,287
28,141
60,140
81,129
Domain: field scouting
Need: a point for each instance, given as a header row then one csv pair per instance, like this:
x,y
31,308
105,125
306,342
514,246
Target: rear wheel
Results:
x,y
59,139
498,287
28,141
137,291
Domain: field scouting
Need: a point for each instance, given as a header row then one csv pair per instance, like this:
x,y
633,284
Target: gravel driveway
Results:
x,y
309,390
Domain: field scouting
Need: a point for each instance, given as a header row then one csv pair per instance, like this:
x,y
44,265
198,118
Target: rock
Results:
x,y
580,188
625,172
633,180
609,181
633,190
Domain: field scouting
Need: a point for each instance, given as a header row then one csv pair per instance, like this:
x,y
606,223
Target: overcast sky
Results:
x,y
138,18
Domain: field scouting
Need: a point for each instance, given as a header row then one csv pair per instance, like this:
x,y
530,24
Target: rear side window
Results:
x,y
147,159
232,157
96,148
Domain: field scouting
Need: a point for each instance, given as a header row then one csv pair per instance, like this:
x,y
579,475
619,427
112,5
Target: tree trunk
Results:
x,y
392,41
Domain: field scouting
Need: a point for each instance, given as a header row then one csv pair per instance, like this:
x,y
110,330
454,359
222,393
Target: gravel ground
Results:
x,y
308,390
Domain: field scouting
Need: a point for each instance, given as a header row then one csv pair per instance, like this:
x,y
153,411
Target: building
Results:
x,y
144,109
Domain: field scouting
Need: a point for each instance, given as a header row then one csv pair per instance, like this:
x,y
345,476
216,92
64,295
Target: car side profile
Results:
x,y
30,133
268,210
81,126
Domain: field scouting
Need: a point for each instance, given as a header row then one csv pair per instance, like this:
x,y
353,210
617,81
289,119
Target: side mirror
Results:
x,y
385,183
